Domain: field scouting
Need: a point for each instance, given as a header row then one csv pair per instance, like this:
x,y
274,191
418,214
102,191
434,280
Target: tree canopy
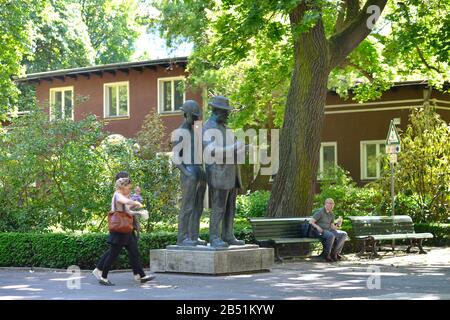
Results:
x,y
244,48
43,35
276,59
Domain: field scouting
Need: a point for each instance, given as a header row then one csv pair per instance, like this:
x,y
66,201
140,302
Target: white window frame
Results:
x,y
52,93
326,144
363,157
105,100
160,94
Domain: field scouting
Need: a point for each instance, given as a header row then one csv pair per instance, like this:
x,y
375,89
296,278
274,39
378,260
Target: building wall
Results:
x,y
143,97
348,123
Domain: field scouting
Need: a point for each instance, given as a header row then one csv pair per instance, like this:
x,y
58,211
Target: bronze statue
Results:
x,y
193,183
223,178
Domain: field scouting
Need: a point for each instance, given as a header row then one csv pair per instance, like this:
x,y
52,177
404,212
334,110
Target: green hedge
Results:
x,y
441,232
60,250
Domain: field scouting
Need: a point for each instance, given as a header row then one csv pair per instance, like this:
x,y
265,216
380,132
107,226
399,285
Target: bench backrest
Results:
x,y
271,228
371,225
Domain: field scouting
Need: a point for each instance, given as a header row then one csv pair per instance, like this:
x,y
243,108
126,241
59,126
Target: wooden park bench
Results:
x,y
273,232
374,229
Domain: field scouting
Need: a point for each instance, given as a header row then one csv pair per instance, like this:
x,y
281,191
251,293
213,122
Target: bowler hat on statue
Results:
x,y
220,102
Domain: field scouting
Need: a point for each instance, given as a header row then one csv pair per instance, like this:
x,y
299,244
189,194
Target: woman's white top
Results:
x,y
125,203
128,204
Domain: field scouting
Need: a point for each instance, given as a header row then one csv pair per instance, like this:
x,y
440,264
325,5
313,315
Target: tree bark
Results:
x,y
315,56
292,192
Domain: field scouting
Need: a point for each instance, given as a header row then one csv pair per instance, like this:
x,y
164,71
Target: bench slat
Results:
x,y
385,228
281,230
294,240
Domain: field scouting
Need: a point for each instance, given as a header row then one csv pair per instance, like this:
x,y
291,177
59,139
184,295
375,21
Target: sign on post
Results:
x,y
393,158
393,138
393,148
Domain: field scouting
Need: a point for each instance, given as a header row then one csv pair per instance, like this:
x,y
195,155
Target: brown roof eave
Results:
x,y
114,67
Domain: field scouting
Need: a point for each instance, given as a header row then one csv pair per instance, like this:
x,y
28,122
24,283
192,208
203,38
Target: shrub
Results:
x,y
440,231
60,250
58,175
51,173
349,199
423,171
252,204
150,136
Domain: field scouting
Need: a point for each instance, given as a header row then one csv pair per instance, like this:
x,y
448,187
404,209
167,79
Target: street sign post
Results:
x,y
392,148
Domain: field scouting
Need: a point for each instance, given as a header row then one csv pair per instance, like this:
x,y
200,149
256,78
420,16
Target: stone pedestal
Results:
x,y
209,260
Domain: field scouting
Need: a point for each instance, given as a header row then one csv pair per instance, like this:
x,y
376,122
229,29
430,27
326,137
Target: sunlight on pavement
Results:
x,y
307,277
17,297
15,286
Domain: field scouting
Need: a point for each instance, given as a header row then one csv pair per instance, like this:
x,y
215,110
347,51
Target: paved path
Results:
x,y
400,277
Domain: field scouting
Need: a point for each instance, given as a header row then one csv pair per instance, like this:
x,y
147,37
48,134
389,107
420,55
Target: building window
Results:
x,y
61,103
328,158
372,153
116,99
171,94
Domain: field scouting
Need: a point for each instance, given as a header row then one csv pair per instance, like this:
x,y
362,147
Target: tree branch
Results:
x,y
339,25
424,61
352,10
296,15
419,51
344,42
365,73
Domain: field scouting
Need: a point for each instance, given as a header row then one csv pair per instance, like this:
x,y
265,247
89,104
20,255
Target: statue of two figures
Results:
x,y
223,177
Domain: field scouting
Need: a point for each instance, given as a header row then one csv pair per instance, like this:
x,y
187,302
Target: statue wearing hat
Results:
x,y
193,183
223,177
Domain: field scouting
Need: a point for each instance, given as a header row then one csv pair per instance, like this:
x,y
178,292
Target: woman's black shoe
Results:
x,y
145,279
105,282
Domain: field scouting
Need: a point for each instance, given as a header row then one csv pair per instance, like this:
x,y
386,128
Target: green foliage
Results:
x,y
73,33
418,44
59,39
440,231
59,250
112,27
422,173
245,50
14,41
42,35
349,199
58,175
252,204
50,173
151,136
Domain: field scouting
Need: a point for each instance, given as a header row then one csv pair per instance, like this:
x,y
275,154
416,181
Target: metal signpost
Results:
x,y
392,148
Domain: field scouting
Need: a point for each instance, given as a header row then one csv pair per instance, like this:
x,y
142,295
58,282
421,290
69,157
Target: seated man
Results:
x,y
326,229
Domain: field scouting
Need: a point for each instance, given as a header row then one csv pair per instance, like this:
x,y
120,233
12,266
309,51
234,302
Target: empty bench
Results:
x,y
273,232
371,230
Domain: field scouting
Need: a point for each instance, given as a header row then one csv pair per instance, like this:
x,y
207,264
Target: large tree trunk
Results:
x,y
315,56
292,191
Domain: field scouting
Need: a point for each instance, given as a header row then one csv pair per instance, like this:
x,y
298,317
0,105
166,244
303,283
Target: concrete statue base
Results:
x,y
210,260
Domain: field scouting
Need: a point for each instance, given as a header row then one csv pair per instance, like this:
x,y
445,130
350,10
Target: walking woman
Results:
x,y
121,201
